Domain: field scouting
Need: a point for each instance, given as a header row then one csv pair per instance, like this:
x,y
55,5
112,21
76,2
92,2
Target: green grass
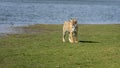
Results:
x,y
42,47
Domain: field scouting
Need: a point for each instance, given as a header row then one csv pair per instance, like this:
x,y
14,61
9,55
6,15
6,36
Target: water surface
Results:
x,y
18,12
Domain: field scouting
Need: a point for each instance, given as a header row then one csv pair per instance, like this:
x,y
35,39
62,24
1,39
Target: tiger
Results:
x,y
71,27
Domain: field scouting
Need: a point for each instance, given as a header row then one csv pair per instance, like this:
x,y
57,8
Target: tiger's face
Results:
x,y
73,24
74,28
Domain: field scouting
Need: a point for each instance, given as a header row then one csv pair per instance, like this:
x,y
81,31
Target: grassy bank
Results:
x,y
41,47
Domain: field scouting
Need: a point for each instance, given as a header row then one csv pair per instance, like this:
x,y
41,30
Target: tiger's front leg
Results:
x,y
76,37
71,39
76,34
64,34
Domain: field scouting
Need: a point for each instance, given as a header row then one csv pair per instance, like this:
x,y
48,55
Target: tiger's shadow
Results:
x,y
88,41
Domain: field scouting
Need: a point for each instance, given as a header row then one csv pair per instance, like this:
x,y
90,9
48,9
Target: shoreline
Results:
x,y
28,29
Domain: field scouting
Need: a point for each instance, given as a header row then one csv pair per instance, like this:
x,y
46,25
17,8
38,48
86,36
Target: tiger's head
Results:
x,y
73,23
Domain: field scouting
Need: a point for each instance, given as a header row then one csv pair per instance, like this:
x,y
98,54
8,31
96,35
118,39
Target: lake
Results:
x,y
21,13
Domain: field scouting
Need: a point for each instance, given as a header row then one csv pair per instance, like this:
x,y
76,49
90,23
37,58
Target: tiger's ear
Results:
x,y
71,20
75,20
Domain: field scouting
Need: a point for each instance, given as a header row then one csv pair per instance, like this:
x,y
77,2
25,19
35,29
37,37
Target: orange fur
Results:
x,y
72,28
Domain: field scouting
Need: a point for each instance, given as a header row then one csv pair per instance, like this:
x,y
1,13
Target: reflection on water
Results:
x,y
6,28
10,29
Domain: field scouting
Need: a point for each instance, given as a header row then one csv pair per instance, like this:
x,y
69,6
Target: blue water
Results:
x,y
17,13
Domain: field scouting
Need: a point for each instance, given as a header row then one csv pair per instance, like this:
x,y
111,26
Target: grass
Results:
x,y
41,47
